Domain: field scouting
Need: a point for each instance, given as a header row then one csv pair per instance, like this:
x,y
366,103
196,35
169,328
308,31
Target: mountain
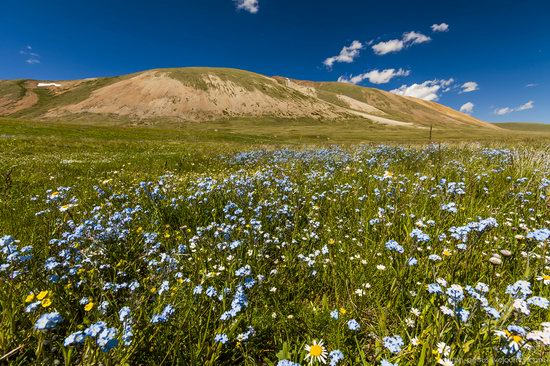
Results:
x,y
205,94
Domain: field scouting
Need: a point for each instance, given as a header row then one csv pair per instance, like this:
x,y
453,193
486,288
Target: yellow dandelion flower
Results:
x,y
89,306
343,311
447,253
331,241
29,298
42,295
46,302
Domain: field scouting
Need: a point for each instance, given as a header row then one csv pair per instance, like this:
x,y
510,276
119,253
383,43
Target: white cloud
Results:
x,y
467,108
443,27
396,45
469,87
375,76
507,110
415,38
382,48
347,54
32,57
428,90
252,6
532,85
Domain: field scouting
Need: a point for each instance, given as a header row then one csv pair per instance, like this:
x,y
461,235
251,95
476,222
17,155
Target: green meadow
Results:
x,y
273,243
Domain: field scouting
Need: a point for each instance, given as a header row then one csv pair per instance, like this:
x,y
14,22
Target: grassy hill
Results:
x,y
215,94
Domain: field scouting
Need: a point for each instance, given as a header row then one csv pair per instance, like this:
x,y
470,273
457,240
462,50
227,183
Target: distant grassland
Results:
x,y
38,154
526,127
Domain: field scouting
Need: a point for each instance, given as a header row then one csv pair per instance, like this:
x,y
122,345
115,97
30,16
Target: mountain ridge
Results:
x,y
203,94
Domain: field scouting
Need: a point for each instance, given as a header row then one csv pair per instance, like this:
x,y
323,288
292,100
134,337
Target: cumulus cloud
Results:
x,y
467,108
469,87
507,110
382,48
428,90
375,76
395,45
443,27
347,54
32,57
251,6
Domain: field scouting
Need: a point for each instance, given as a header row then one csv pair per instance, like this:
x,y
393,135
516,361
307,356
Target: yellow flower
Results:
x,y
316,352
30,297
89,306
343,311
447,253
167,235
64,208
42,295
46,303
331,241
139,230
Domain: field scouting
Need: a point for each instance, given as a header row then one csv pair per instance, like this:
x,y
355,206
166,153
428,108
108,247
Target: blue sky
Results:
x,y
502,46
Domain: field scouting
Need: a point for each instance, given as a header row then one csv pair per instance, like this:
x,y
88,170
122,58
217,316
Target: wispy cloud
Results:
x,y
32,57
428,90
395,45
347,54
375,76
443,27
532,85
469,87
507,110
411,38
251,6
468,108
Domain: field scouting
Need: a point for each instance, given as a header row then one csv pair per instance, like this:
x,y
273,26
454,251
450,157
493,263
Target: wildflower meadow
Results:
x,y
356,255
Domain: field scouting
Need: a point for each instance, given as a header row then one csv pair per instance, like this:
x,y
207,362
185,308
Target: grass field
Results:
x,y
526,127
242,243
